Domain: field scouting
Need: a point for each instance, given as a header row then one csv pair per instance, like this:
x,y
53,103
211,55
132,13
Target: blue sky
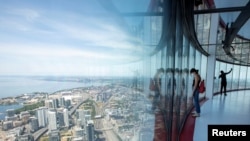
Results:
x,y
66,37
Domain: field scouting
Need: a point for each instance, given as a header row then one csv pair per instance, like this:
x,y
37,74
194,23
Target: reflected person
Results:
x,y
157,91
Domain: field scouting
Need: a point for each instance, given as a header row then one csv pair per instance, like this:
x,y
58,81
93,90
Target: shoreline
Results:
x,y
8,101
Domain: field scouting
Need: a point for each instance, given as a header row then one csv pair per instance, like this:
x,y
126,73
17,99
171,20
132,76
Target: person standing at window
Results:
x,y
224,81
195,91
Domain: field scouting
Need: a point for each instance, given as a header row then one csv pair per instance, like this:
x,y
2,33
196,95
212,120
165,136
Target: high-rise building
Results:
x,y
84,116
60,118
52,120
48,103
87,118
62,102
42,115
55,103
66,117
90,131
80,116
67,103
78,122
33,122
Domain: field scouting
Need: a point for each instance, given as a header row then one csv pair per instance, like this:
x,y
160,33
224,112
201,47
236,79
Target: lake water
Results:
x,y
6,107
13,86
16,85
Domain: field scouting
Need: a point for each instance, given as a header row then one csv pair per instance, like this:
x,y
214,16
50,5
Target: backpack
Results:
x,y
152,84
202,87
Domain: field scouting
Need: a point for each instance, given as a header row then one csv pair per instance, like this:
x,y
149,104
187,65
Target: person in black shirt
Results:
x,y
224,81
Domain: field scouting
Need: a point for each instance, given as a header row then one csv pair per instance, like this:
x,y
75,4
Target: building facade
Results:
x,y
52,120
42,116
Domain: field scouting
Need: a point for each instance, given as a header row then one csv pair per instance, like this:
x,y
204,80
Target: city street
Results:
x,y
105,126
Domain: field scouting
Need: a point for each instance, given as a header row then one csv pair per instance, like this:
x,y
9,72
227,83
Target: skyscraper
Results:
x,y
90,131
66,117
67,103
49,103
55,103
62,102
33,122
52,119
80,116
42,116
60,118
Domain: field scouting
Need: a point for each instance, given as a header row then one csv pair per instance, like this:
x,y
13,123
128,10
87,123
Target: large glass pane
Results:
x,y
248,78
198,60
203,71
192,59
217,80
230,76
242,77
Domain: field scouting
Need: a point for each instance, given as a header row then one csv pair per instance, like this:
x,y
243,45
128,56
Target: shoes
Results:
x,y
196,115
194,112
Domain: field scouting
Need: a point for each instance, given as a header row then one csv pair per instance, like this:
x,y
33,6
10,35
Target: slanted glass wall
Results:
x,y
175,99
202,26
176,55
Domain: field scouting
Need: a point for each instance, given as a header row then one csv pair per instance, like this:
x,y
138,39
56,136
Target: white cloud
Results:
x,y
96,33
71,43
28,14
56,51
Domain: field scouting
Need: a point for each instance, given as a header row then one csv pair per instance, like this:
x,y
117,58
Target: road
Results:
x,y
98,122
105,126
39,133
109,134
72,111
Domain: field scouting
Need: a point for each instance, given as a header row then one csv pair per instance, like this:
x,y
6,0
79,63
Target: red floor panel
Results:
x,y
160,130
187,132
